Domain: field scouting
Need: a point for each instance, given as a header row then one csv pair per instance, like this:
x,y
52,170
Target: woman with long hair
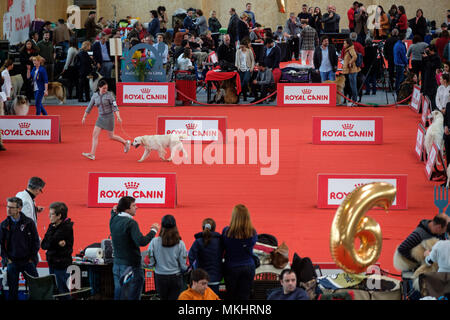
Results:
x,y
419,24
402,23
184,61
206,253
239,238
85,67
38,76
25,54
349,67
406,88
107,107
316,20
393,16
168,256
163,19
381,23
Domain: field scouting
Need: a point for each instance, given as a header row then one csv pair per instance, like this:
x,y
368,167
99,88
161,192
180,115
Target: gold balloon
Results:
x,y
281,6
350,223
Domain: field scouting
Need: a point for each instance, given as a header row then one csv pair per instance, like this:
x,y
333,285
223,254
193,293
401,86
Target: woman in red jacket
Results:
x,y
402,23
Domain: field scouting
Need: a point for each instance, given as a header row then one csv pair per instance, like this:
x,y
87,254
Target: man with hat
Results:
x,y
127,240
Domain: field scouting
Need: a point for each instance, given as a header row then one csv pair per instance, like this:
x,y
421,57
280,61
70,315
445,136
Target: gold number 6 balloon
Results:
x,y
350,223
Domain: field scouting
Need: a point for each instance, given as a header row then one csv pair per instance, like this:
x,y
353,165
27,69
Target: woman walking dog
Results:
x,y
106,104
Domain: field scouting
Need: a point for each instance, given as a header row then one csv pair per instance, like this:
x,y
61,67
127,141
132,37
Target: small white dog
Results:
x,y
160,143
435,132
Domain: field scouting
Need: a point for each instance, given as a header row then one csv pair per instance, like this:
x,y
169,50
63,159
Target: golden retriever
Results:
x,y
57,90
340,85
160,143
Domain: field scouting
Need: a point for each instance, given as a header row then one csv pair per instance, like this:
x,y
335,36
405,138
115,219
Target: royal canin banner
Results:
x,y
146,94
348,130
419,141
432,158
151,190
306,94
416,99
30,128
204,129
17,20
426,109
333,188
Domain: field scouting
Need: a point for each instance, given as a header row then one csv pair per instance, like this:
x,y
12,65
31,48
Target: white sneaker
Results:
x,y
127,146
349,104
88,155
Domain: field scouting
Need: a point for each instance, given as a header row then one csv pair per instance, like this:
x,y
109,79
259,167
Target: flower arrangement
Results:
x,y
142,65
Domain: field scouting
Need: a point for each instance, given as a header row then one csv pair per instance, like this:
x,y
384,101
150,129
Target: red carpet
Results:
x,y
283,205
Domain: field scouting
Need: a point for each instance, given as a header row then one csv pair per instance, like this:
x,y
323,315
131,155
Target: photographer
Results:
x,y
371,67
431,64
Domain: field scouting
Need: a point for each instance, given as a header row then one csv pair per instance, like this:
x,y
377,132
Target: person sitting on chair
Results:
x,y
264,80
289,289
198,287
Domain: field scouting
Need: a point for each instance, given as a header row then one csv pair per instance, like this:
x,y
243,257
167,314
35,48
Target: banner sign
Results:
x,y
348,130
146,94
30,128
151,190
432,158
415,99
333,188
426,109
419,141
205,129
17,21
306,94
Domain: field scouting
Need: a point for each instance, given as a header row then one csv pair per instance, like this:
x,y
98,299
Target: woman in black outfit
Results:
x,y
419,24
316,20
84,66
26,52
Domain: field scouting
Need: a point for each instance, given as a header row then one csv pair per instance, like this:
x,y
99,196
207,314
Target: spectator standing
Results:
x,y
138,31
206,253
127,240
19,243
38,76
272,54
381,24
70,72
62,35
415,51
419,24
242,28
188,22
402,23
47,27
226,53
371,67
351,16
102,56
239,238
443,93
338,19
154,26
389,54
4,73
168,256
325,60
309,42
214,26
163,19
400,61
84,65
361,17
431,65
304,16
34,37
441,43
34,188
92,29
165,51
289,289
245,63
232,26
248,11
316,20
329,20
25,54
58,241
349,67
198,287
393,16
47,51
200,22
292,31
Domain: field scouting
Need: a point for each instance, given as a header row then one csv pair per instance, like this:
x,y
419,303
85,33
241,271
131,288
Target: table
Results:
x,y
218,76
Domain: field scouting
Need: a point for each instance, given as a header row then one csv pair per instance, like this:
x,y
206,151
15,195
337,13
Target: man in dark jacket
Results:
x,y
272,54
188,22
226,53
232,26
127,240
325,59
102,56
289,289
58,241
154,26
431,63
92,29
330,20
425,230
242,29
19,242
389,55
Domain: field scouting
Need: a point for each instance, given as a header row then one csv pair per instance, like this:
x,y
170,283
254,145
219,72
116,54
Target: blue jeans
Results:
x,y
106,69
38,96
61,279
399,76
352,78
329,75
134,287
239,281
13,271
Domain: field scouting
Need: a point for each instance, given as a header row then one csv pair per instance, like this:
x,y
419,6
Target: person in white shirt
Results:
x,y
443,92
160,40
35,187
184,61
439,254
7,86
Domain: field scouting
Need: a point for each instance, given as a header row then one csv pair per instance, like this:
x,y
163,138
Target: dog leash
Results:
x,y
124,132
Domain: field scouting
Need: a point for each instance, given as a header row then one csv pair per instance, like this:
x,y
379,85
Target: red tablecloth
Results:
x,y
221,76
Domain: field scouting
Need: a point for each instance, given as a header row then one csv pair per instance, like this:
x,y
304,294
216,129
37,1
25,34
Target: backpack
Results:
x,y
359,59
306,274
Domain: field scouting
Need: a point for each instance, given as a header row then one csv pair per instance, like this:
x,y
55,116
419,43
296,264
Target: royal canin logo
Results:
x,y
131,185
191,126
24,125
306,91
146,90
348,126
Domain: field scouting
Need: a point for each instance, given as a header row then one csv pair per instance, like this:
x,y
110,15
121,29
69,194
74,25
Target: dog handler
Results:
x,y
40,83
106,104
